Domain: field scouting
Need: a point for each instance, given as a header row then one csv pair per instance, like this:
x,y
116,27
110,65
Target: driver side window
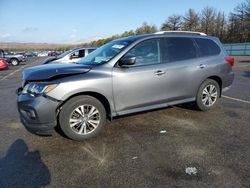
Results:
x,y
75,54
146,52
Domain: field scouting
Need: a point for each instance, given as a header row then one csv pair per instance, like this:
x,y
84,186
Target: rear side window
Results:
x,y
207,47
179,48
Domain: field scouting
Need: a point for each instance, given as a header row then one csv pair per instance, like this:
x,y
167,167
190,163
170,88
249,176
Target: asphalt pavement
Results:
x,y
171,147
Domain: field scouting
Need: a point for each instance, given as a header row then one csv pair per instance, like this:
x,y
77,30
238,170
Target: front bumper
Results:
x,y
37,114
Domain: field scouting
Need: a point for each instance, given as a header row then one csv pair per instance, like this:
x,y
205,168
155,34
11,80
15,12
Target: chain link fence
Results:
x,y
238,49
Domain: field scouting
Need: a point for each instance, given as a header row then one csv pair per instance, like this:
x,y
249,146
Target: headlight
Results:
x,y
38,88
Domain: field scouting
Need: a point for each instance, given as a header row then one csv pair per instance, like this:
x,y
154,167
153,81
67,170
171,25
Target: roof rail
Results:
x,y
183,32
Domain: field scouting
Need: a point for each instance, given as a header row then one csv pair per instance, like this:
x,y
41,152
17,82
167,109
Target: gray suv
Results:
x,y
11,58
127,75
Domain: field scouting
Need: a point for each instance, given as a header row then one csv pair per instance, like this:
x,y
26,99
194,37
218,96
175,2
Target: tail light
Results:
x,y
230,61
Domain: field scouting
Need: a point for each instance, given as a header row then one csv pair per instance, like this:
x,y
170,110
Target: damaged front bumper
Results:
x,y
37,113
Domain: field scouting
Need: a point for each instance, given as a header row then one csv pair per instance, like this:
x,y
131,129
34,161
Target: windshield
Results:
x,y
104,53
64,54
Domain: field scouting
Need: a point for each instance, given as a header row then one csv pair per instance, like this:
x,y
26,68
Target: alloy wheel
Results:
x,y
84,119
209,95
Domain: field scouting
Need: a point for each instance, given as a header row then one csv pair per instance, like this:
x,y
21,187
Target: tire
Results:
x,y
73,121
14,62
209,89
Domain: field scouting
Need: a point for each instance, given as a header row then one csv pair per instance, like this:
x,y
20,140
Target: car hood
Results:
x,y
49,59
50,71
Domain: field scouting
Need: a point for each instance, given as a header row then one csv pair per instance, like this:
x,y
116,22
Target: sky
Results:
x,y
79,21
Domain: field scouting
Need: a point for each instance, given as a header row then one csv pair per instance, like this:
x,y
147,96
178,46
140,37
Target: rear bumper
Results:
x,y
227,81
225,89
37,114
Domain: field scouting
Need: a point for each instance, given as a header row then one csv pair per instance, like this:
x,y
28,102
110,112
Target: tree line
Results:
x,y
231,28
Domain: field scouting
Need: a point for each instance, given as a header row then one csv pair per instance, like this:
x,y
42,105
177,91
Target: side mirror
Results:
x,y
127,60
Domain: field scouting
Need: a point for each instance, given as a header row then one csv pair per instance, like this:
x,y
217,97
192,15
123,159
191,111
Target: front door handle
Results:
x,y
202,66
159,72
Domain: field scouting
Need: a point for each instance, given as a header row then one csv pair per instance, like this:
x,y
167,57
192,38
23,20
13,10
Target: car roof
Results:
x,y
135,37
162,34
84,47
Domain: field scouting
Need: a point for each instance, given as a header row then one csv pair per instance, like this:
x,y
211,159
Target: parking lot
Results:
x,y
171,147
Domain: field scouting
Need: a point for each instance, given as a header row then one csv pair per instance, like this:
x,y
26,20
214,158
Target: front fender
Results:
x,y
83,83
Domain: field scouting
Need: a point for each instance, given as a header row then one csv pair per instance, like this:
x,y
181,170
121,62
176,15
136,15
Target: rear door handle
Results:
x,y
159,72
202,66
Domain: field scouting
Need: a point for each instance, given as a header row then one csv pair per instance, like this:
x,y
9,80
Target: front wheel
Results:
x,y
208,95
82,117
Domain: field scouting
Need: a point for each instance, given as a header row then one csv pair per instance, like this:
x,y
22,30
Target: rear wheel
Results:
x,y
14,62
82,117
208,95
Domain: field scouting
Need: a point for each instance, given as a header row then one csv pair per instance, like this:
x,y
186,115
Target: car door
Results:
x,y
143,83
184,71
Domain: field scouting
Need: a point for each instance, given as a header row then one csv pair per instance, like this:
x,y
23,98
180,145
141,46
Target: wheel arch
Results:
x,y
213,77
105,102
14,58
218,80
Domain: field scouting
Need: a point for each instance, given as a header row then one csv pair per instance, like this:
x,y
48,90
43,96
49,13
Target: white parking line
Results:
x,y
239,100
12,73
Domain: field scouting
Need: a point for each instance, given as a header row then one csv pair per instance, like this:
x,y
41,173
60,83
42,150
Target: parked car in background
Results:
x,y
3,64
31,54
71,56
125,76
11,58
52,53
42,54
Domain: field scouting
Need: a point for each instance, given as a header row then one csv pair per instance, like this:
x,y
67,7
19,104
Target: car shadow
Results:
x,y
23,168
141,112
188,106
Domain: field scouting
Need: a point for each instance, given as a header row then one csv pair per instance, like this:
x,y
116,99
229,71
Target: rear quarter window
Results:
x,y
179,48
207,47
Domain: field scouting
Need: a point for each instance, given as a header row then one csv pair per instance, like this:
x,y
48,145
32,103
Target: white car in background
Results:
x,y
71,56
42,54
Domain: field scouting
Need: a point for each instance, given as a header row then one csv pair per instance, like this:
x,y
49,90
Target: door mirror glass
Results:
x,y
127,60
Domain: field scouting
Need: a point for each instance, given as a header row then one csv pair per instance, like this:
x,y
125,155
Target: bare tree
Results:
x,y
173,22
247,19
208,20
240,15
191,20
220,25
146,28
